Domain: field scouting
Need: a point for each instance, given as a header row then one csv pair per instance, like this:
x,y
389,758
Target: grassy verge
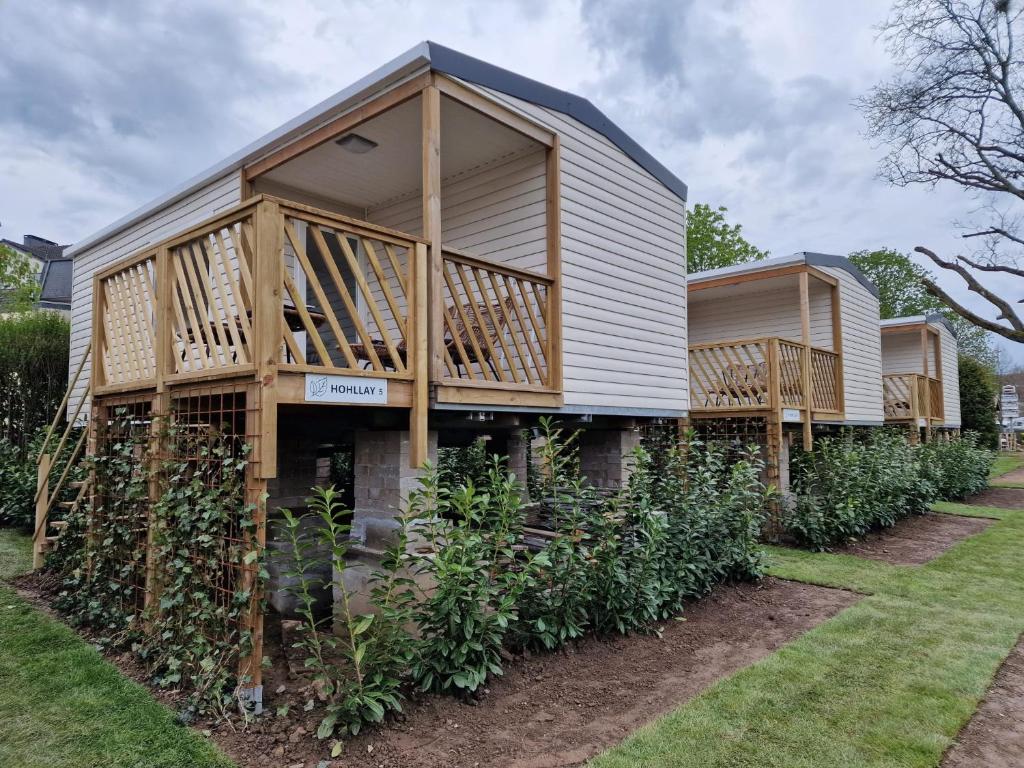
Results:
x,y
888,682
1004,463
63,706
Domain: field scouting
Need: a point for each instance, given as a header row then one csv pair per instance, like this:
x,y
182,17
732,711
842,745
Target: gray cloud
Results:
x,y
140,94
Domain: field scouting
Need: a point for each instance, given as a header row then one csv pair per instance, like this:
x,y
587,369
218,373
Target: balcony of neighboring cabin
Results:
x,y
912,382
403,254
766,343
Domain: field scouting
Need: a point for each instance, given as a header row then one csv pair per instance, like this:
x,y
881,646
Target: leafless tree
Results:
x,y
955,114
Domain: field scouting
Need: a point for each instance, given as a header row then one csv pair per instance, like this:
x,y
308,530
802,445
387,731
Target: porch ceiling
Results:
x,y
393,169
786,284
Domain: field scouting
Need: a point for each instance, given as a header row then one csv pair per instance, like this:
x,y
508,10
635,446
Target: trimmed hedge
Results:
x,y
847,486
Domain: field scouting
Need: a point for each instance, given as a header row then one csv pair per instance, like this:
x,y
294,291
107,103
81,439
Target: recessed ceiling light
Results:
x,y
356,144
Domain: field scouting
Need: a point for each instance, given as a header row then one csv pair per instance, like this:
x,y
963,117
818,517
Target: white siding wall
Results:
x,y
202,204
862,349
715,315
901,353
950,377
624,274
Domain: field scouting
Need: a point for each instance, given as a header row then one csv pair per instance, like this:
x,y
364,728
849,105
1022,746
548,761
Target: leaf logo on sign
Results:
x,y
318,386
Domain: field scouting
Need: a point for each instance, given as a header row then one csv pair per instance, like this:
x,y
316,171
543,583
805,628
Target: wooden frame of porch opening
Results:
x,y
519,299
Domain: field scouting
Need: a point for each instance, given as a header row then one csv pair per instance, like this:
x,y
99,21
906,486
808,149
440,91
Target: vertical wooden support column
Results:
x,y
925,408
268,326
553,228
42,504
250,666
431,125
418,423
837,347
805,368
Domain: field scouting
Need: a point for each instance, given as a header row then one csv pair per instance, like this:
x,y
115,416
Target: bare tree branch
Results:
x,y
991,267
1005,310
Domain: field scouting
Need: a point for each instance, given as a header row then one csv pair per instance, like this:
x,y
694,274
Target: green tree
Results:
x,y
18,281
902,292
712,242
978,401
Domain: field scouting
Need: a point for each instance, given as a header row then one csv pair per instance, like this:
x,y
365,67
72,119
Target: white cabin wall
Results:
x,y
216,196
901,353
623,274
950,377
862,349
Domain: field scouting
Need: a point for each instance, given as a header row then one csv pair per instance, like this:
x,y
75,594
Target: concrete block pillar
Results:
x,y
606,456
518,447
383,480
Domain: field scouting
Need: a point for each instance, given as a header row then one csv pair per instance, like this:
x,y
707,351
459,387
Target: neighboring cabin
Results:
x,y
920,373
40,254
752,330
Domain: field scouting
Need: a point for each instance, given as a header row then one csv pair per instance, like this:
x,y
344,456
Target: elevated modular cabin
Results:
x,y
780,345
441,247
920,378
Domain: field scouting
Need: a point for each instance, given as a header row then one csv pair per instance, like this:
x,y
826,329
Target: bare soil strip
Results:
x,y
917,539
561,709
1001,498
994,737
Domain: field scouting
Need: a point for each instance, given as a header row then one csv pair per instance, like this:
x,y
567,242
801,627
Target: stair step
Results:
x,y
60,525
66,504
51,540
78,484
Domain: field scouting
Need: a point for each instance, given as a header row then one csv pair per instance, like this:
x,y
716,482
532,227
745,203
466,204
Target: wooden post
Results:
x,y
418,422
42,504
250,666
431,149
268,325
553,227
805,369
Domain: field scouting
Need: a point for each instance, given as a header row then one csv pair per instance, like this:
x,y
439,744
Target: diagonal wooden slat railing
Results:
x,y
496,324
347,290
912,396
739,376
124,311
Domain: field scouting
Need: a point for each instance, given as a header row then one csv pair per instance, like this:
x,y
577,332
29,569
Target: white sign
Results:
x,y
345,389
792,414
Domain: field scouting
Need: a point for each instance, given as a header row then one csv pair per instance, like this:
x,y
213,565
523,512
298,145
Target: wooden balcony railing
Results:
x,y
762,374
495,323
912,396
273,282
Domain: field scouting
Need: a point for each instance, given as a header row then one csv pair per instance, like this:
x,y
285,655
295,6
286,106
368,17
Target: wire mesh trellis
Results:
x,y
174,529
118,519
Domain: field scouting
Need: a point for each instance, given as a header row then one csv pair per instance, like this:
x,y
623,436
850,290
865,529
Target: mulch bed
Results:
x,y
917,539
562,708
994,737
1001,498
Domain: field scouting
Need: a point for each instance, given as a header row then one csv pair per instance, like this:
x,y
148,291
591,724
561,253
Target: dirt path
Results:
x,y
1002,498
560,709
994,737
1016,476
917,539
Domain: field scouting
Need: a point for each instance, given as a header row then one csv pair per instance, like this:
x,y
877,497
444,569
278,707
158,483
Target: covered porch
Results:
x,y
404,255
766,343
912,373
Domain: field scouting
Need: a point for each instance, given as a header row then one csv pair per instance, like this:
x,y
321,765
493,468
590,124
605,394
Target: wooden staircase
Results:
x,y
64,495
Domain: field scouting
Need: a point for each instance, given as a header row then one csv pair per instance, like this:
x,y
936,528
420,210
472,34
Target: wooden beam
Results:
x,y
497,112
924,350
42,505
493,397
420,336
746,277
245,190
431,180
553,227
339,125
805,333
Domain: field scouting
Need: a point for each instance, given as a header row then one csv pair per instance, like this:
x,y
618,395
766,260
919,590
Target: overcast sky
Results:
x,y
106,104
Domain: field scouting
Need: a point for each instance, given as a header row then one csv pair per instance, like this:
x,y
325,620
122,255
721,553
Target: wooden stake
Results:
x,y
42,504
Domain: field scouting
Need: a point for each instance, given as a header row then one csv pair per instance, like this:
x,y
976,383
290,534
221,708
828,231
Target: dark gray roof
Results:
x,y
39,247
56,289
451,62
840,262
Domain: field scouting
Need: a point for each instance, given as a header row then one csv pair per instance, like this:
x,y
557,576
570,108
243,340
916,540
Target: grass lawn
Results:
x,y
1004,463
63,706
888,682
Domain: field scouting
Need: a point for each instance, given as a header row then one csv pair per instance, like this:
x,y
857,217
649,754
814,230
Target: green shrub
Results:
x,y
958,467
848,486
33,372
